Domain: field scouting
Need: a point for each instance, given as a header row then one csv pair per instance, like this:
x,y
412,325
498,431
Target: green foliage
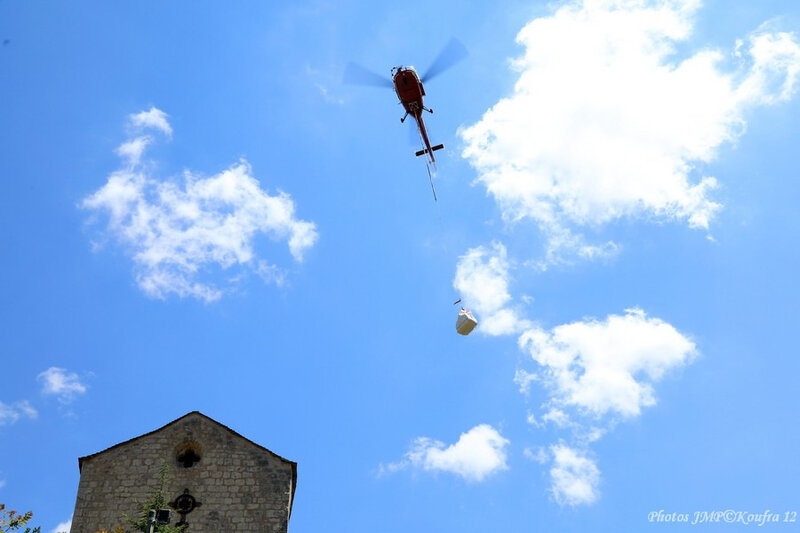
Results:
x,y
157,500
11,520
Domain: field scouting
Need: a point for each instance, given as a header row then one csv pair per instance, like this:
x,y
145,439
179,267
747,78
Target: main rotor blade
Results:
x,y
452,53
355,74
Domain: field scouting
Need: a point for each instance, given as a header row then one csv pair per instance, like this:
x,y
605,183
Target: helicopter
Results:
x,y
409,90
408,86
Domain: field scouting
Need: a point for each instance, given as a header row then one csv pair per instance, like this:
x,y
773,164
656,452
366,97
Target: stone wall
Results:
x,y
239,485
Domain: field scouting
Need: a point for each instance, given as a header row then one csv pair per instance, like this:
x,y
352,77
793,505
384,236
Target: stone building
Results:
x,y
219,480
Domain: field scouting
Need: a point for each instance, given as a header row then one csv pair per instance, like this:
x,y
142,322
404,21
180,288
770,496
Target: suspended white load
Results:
x,y
465,322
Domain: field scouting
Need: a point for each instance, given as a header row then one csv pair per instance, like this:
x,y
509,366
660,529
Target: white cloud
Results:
x,y
478,453
132,150
594,374
26,409
270,273
58,382
607,367
606,121
63,527
575,477
154,118
539,455
12,413
482,278
557,416
8,415
178,232
524,379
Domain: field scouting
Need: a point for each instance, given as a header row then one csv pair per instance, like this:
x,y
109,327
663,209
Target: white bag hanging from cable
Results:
x,y
465,322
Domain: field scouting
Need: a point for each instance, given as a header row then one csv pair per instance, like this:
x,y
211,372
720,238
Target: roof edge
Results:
x,y
294,464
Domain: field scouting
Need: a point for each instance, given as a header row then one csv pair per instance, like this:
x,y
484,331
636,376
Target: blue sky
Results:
x,y
197,214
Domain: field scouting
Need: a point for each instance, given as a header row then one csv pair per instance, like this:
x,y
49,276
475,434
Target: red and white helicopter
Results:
x,y
408,86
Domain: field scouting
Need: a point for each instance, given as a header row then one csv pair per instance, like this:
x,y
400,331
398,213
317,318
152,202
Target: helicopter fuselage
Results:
x,y
410,91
